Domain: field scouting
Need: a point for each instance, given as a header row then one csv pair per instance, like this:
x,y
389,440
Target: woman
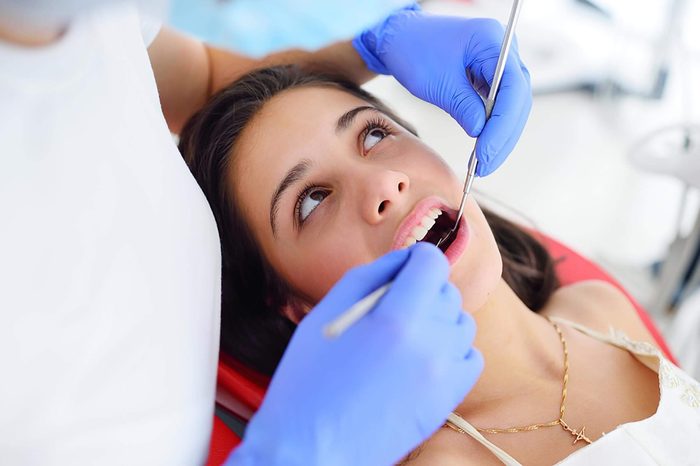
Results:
x,y
329,178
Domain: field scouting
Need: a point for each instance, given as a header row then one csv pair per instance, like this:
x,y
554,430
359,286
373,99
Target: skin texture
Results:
x,y
371,182
397,172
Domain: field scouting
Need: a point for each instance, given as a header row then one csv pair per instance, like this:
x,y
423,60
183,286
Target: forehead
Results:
x,y
294,125
299,114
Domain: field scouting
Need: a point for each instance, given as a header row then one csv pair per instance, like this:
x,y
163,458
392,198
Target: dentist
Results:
x,y
110,260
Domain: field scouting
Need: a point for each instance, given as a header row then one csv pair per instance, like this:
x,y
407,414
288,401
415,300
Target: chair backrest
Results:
x,y
572,267
241,390
223,441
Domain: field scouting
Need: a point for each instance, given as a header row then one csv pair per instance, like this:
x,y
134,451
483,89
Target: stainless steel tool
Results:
x,y
488,105
335,328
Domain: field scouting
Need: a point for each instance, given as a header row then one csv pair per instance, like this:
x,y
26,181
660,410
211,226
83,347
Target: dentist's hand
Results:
x,y
449,61
382,387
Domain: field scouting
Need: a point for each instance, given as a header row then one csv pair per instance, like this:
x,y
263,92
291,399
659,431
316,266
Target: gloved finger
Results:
x,y
466,332
469,370
451,304
480,74
417,285
514,45
456,339
526,73
506,120
358,283
453,366
481,69
463,374
484,169
467,108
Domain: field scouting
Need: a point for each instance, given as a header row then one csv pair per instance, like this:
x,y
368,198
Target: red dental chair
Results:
x,y
241,390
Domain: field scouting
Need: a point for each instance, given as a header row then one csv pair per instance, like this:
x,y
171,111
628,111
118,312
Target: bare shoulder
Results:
x,y
599,306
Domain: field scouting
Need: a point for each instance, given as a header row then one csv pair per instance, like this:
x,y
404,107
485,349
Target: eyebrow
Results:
x,y
345,121
292,176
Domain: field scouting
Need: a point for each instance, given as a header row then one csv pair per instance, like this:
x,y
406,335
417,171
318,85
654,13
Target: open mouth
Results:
x,y
433,226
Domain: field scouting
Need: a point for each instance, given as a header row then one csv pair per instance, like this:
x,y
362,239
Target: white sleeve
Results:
x,y
150,28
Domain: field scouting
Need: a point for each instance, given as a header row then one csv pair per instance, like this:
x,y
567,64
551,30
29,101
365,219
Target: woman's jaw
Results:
x,y
429,221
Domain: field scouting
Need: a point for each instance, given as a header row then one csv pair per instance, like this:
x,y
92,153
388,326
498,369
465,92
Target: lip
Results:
x,y
459,244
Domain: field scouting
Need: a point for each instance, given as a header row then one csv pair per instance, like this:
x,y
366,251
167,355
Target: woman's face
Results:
x,y
326,182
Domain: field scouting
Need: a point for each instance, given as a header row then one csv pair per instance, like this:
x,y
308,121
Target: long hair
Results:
x,y
253,329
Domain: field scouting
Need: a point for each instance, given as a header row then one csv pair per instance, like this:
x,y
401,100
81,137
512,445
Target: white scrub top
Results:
x,y
109,259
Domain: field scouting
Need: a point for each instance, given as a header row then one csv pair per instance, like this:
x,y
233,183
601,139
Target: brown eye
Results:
x,y
372,138
310,200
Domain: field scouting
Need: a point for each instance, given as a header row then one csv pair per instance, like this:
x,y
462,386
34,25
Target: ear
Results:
x,y
295,310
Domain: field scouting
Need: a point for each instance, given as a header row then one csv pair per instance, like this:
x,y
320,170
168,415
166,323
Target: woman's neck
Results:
x,y
517,346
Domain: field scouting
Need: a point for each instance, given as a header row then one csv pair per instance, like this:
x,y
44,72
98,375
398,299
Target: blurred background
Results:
x,y
609,162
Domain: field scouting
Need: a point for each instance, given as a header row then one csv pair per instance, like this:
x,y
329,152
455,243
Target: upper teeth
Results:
x,y
420,230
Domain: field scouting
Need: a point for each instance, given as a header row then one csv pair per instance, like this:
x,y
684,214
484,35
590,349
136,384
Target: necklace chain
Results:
x,y
580,434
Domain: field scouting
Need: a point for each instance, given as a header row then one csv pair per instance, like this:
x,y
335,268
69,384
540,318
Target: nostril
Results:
x,y
382,206
402,185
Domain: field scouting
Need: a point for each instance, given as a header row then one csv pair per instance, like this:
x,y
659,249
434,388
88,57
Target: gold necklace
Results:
x,y
579,434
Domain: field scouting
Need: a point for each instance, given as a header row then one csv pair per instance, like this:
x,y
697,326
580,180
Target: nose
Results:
x,y
383,190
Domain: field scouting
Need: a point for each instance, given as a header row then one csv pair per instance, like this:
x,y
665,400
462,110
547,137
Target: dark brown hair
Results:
x,y
253,329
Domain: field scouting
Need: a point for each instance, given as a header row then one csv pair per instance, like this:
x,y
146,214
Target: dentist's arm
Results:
x,y
373,394
447,61
188,71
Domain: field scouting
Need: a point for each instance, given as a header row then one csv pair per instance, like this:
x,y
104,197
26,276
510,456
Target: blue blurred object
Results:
x,y
373,394
257,27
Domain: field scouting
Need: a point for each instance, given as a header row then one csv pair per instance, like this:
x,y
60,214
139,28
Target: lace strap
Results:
x,y
642,350
458,423
608,338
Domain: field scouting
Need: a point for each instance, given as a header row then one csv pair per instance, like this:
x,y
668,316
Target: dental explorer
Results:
x,y
488,106
335,328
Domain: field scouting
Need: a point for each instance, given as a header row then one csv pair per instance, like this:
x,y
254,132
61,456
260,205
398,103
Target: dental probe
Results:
x,y
335,328
488,105
355,313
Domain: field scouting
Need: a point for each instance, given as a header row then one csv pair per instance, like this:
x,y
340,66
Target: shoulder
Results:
x,y
598,305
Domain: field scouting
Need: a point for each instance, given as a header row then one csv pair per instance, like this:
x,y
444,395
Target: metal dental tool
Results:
x,y
488,105
335,328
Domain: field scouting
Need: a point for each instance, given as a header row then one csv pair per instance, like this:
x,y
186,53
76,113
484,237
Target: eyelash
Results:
x,y
305,191
373,123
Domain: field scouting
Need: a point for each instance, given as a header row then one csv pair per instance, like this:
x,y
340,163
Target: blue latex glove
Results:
x,y
381,388
429,55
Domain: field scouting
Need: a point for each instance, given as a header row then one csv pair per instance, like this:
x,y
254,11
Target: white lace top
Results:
x,y
671,436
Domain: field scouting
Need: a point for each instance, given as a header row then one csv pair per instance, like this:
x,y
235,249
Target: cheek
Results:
x,y
433,169
315,265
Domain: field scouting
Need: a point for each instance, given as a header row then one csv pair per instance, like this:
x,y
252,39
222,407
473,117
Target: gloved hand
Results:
x,y
449,61
382,387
